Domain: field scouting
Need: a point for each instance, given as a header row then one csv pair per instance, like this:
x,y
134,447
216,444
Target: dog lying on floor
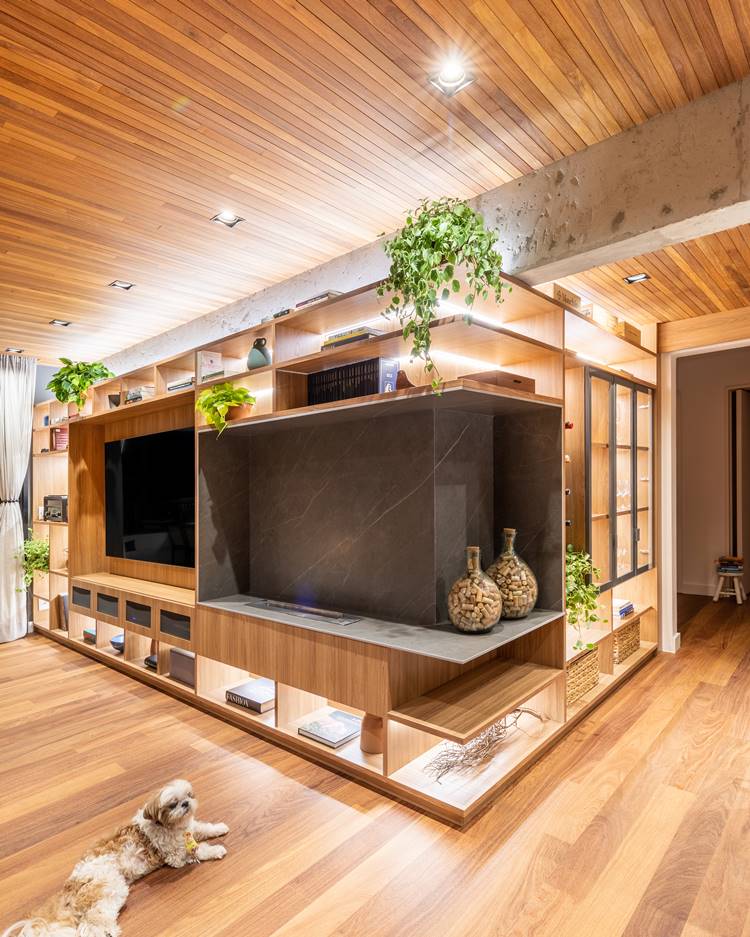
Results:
x,y
164,832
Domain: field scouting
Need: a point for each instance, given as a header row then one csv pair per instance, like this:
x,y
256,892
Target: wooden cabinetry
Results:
x,y
427,686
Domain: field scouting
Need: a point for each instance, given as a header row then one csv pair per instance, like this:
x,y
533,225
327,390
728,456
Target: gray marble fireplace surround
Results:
x,y
371,516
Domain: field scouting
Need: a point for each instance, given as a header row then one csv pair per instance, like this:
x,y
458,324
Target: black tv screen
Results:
x,y
150,492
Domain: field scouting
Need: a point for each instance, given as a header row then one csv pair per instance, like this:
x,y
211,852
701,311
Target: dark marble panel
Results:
x,y
463,495
223,518
528,494
343,517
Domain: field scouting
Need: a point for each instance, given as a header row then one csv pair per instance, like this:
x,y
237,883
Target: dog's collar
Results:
x,y
191,844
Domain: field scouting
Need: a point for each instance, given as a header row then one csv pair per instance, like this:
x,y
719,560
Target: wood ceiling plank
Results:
x,y
125,124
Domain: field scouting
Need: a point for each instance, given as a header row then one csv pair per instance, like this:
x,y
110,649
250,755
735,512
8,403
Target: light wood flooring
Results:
x,y
637,824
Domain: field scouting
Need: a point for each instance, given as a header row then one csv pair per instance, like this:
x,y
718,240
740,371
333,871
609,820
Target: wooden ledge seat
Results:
x,y
462,708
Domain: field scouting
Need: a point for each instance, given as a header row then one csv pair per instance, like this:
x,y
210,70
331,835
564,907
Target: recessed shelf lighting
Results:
x,y
452,77
227,218
14,351
62,323
637,277
122,285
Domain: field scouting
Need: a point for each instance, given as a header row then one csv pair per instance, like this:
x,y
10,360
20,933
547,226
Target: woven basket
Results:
x,y
582,675
627,640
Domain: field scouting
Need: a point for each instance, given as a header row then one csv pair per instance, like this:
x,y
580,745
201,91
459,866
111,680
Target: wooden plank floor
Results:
x,y
637,824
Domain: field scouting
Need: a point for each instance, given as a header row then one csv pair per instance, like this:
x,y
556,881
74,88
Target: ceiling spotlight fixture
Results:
x,y
227,218
60,322
122,285
637,277
452,77
14,351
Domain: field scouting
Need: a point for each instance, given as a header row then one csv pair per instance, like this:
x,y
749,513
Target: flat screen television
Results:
x,y
150,498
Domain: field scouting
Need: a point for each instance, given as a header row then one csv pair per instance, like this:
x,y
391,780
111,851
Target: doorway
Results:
x,y
739,460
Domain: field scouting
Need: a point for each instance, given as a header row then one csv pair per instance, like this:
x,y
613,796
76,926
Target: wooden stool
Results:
x,y
730,584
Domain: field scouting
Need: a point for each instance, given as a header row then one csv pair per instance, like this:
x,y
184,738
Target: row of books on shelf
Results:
x,y
333,729
621,608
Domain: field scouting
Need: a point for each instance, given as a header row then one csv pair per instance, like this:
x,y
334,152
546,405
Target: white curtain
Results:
x,y
17,377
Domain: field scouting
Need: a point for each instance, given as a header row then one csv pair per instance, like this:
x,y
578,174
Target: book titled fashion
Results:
x,y
259,695
333,730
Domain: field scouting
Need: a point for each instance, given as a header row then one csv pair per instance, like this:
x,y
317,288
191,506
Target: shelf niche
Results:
x,y
371,515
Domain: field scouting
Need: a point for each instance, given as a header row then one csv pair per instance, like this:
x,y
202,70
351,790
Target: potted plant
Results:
x,y
73,380
215,402
581,594
439,237
34,557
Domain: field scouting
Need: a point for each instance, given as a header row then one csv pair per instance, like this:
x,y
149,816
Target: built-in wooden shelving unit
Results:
x,y
425,686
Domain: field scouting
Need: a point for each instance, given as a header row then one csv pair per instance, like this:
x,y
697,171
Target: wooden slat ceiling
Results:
x,y
125,125
709,274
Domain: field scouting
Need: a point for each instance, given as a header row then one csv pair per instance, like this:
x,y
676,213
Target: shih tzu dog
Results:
x,y
164,832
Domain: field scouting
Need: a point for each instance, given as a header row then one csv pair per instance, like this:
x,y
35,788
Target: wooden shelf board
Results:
x,y
600,517
52,452
351,752
266,369
588,337
572,360
461,394
59,572
462,708
51,523
462,789
637,612
141,407
590,636
143,587
494,344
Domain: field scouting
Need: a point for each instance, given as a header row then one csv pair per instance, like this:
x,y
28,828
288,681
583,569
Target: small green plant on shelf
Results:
x,y
34,557
215,402
581,594
74,378
439,237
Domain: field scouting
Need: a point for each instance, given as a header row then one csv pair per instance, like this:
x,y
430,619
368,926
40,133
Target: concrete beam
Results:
x,y
678,176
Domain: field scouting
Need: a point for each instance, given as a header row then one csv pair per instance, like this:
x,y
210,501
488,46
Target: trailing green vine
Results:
x,y
439,237
215,402
34,557
581,593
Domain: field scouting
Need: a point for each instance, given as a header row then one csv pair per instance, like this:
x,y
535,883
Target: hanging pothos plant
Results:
x,y
439,237
34,557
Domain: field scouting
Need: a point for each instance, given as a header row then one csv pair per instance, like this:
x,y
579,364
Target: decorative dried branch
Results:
x,y
453,757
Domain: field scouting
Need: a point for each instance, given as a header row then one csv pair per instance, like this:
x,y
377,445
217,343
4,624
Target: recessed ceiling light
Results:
x,y
122,285
452,77
227,218
14,351
637,277
60,322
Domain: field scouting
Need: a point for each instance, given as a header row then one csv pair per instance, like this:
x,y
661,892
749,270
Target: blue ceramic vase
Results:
x,y
259,355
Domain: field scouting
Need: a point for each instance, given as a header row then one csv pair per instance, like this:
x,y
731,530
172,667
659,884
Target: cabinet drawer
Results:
x,y
107,606
138,615
175,624
81,598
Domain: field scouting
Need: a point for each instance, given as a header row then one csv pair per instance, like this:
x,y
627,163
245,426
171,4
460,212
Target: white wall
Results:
x,y
703,522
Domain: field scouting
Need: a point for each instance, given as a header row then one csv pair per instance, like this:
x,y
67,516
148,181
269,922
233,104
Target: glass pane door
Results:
x,y
644,489
624,496
600,422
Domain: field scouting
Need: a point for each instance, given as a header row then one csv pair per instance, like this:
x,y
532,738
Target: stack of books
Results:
x,y
180,384
135,394
730,564
60,439
334,730
346,337
317,300
621,608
